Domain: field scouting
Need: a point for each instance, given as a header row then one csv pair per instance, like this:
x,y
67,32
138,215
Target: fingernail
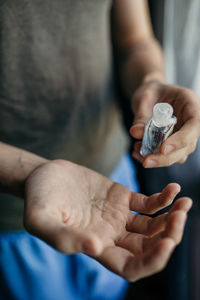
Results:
x,y
137,130
150,163
168,149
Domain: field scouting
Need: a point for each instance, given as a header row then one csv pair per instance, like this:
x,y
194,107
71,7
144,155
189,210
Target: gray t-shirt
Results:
x,y
57,96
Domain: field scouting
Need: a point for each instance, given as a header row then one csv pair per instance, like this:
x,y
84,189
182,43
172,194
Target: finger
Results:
x,y
115,259
63,238
158,159
136,152
152,204
174,229
146,225
131,267
137,243
186,137
161,160
137,130
132,242
183,204
150,226
175,226
142,108
142,103
151,262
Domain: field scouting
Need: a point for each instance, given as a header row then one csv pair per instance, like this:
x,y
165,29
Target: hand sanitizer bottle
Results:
x,y
158,128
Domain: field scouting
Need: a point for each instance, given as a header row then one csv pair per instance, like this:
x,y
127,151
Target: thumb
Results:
x,y
64,238
137,129
68,240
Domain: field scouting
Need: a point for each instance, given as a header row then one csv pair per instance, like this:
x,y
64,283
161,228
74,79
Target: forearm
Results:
x,y
140,62
138,54
15,167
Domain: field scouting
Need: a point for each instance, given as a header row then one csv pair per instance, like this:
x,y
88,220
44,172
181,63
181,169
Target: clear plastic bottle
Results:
x,y
158,128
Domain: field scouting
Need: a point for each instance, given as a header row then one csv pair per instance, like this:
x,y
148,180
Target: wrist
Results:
x,y
31,167
15,167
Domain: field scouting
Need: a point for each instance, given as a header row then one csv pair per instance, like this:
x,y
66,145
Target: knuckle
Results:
x,y
147,93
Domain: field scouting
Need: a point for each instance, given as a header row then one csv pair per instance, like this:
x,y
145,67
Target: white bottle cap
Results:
x,y
162,114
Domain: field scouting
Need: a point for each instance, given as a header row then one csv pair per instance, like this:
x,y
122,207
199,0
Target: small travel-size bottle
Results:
x,y
158,128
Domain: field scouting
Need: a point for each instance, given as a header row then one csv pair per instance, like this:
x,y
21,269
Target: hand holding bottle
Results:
x,y
182,142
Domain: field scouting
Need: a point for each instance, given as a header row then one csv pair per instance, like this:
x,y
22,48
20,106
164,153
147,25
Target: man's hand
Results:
x,y
187,130
75,210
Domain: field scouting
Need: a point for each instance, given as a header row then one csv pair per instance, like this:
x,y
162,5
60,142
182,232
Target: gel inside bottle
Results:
x,y
158,128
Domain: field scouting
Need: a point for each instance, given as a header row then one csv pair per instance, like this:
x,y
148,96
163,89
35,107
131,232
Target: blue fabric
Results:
x,y
125,174
30,269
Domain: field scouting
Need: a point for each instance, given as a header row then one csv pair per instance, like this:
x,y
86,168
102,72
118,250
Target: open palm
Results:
x,y
75,209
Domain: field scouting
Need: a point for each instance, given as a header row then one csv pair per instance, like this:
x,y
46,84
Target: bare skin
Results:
x,y
141,68
182,142
75,210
